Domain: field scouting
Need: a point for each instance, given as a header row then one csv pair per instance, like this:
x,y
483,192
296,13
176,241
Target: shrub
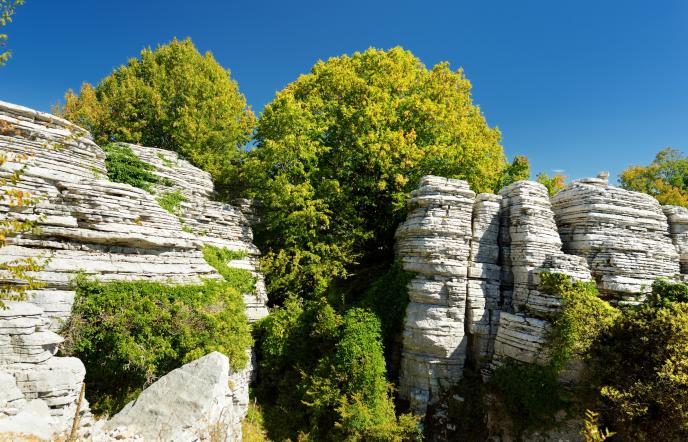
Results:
x,y
218,257
532,393
124,166
323,373
642,369
129,333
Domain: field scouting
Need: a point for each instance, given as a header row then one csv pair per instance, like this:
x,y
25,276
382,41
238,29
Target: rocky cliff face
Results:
x,y
478,261
108,230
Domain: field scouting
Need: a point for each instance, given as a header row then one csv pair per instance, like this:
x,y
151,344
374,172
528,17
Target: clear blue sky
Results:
x,y
581,86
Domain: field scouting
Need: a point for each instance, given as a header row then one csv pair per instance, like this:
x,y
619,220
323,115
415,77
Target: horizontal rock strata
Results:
x,y
107,230
623,235
434,242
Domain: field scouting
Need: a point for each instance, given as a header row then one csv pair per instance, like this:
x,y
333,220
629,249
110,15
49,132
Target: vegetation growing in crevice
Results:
x,y
166,161
171,201
218,258
128,334
323,373
532,393
124,166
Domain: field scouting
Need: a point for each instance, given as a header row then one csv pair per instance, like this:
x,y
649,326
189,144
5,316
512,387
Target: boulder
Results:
x,y
193,402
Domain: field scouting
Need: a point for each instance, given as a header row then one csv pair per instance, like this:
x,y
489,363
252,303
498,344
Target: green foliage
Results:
x,y
591,428
171,201
166,161
323,373
666,178
387,297
129,333
665,291
218,257
173,98
518,170
553,183
7,10
583,317
124,166
532,393
641,366
338,152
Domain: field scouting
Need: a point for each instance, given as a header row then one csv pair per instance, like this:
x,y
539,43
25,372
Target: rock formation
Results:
x,y
478,260
623,235
434,242
108,230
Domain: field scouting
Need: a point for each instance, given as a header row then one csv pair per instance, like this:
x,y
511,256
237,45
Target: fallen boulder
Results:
x,y
193,402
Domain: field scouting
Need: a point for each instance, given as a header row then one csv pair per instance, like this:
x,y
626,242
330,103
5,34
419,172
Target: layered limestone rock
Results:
x,y
38,391
534,247
434,242
678,231
214,223
107,230
623,235
484,299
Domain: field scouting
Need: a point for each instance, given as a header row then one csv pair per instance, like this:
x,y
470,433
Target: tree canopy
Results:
x,y
666,178
173,98
553,183
7,10
339,150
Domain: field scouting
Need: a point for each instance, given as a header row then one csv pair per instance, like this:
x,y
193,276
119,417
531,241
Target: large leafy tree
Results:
x,y
174,98
7,10
339,150
666,178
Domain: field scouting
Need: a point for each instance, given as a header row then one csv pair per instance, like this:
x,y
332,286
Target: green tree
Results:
x,y
339,150
518,170
174,98
666,178
7,10
553,183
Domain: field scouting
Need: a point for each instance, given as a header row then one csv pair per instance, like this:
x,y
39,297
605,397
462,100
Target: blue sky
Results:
x,y
579,86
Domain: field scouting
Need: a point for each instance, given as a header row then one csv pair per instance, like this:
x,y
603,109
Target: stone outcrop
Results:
x,y
107,230
623,235
478,261
191,403
214,223
434,242
484,299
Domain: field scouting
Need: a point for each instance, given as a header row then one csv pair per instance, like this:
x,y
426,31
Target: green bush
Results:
x,y
532,393
171,201
641,366
666,291
129,333
323,373
124,166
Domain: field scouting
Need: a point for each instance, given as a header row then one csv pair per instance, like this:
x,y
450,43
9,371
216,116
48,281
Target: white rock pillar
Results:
x,y
434,242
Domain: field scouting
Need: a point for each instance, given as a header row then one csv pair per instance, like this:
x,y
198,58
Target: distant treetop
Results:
x,y
172,98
